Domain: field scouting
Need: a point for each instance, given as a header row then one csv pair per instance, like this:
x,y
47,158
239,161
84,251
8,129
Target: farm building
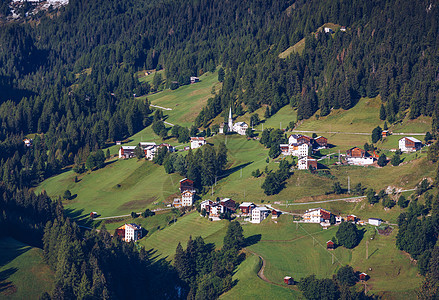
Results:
x,y
93,214
206,205
316,215
330,245
357,156
409,144
197,142
307,163
259,214
129,232
246,207
228,204
375,221
288,280
126,151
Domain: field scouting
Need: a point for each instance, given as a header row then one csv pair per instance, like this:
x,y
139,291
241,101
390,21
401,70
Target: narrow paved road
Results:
x,y
167,123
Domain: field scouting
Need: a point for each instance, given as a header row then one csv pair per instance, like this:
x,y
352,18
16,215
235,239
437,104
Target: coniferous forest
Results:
x,y
67,76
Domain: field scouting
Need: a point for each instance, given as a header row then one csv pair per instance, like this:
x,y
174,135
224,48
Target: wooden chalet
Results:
x,y
356,152
330,245
228,203
186,185
246,207
321,141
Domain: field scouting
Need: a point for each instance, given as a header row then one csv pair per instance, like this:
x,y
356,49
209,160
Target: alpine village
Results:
x,y
207,149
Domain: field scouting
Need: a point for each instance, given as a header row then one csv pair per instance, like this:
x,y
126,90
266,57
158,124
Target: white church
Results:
x,y
238,127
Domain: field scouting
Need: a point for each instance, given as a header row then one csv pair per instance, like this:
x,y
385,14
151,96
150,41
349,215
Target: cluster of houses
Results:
x,y
215,208
149,148
187,191
303,146
129,232
358,156
257,214
323,216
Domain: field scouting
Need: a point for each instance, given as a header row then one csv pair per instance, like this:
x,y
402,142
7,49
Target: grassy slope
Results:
x,y
166,240
300,45
22,266
142,183
187,101
250,286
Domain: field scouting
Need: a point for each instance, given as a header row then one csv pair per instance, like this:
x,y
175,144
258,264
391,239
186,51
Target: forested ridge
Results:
x,y
68,77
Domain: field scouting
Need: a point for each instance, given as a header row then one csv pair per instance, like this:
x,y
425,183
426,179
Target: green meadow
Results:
x,y
187,101
121,187
23,274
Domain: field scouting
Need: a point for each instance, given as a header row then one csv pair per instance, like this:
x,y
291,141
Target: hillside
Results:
x,y
23,274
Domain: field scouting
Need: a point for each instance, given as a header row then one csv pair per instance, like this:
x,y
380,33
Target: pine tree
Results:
x,y
383,115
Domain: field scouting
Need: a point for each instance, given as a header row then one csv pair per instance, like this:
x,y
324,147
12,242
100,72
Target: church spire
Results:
x,y
230,120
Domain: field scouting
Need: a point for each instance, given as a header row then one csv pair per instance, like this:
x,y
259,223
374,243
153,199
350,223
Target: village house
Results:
x,y
284,149
194,79
126,151
221,128
299,150
197,142
259,214
246,208
338,219
409,144
206,205
215,209
307,163
316,215
240,128
229,204
343,28
187,198
129,232
385,133
363,276
151,148
375,221
357,156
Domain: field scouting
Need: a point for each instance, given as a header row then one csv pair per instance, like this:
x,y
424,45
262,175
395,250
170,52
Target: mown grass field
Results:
x,y
250,286
121,187
23,274
165,241
187,101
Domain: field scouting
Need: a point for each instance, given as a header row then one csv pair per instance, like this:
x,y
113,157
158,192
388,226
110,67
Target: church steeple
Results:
x,y
230,120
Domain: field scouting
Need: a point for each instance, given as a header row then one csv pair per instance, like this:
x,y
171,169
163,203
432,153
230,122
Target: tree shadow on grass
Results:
x,y
5,285
251,240
235,169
